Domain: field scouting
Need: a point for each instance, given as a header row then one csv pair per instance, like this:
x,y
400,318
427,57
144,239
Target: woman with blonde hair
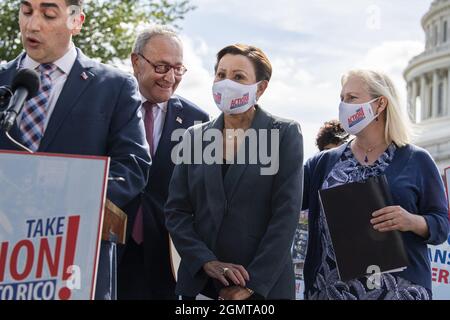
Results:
x,y
370,110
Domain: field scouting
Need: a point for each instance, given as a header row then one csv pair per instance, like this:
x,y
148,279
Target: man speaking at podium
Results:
x,y
82,107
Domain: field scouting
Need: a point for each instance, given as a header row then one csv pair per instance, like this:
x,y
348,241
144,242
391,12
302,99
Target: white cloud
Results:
x,y
294,92
392,58
287,15
318,17
197,82
310,44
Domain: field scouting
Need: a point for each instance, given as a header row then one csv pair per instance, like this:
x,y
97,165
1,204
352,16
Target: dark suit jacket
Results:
x,y
416,185
246,218
160,284
97,116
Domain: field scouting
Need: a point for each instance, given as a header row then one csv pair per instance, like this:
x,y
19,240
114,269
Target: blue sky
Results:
x,y
310,44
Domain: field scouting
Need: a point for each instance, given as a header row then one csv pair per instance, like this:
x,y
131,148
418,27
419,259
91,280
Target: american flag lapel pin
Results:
x,y
84,76
179,120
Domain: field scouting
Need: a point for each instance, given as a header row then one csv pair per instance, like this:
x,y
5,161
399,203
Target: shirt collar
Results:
x,y
65,63
162,105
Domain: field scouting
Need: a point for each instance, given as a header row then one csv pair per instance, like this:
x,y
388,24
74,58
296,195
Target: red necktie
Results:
x,y
138,227
149,124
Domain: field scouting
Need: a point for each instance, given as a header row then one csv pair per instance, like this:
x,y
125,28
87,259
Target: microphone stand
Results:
x,y
18,143
4,126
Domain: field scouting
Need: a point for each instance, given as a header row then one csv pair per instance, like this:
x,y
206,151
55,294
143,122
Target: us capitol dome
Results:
x,y
428,83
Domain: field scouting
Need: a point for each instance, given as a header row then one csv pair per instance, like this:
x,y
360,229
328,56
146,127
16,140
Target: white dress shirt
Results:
x,y
159,116
64,65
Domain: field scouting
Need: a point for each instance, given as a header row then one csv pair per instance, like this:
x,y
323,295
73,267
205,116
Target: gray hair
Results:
x,y
149,32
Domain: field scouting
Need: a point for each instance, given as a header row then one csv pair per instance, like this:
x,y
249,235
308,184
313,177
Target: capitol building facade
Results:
x,y
428,81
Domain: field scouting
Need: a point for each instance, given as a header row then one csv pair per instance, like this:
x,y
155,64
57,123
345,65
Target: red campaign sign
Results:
x,y
38,256
51,215
440,259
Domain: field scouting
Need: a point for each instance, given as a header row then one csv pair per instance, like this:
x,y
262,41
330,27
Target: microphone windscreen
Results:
x,y
28,79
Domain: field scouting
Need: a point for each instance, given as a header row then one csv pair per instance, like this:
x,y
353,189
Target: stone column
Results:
x,y
447,89
445,94
423,97
413,101
435,98
409,98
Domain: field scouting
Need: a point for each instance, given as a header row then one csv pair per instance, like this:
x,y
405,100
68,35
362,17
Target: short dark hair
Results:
x,y
74,2
332,132
262,65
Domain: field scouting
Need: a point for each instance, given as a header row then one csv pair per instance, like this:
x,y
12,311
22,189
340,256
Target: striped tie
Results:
x,y
35,110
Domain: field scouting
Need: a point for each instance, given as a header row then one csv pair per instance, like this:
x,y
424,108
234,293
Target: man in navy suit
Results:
x,y
84,108
145,270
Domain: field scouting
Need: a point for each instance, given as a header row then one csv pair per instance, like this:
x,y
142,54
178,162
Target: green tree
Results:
x,y
109,30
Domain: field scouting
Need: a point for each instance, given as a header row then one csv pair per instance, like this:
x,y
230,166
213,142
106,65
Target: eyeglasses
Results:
x,y
164,68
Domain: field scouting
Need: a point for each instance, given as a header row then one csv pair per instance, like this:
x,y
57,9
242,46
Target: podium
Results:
x,y
51,218
175,259
114,223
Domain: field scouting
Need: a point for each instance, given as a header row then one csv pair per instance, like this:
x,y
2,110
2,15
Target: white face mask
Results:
x,y
355,117
232,97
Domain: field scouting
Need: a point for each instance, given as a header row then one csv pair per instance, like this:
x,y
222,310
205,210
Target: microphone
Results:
x,y
25,86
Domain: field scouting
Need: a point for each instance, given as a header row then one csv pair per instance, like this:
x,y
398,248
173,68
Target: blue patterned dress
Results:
x,y
328,285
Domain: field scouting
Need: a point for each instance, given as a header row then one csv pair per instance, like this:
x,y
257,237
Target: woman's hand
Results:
x,y
396,218
235,293
223,271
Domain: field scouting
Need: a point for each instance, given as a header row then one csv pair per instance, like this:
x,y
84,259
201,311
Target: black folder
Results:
x,y
348,209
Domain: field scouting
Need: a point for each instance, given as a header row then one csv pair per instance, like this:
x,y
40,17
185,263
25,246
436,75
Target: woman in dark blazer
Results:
x,y
370,110
233,219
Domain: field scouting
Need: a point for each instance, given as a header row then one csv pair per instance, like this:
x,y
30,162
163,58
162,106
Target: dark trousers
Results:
x,y
210,291
131,282
139,279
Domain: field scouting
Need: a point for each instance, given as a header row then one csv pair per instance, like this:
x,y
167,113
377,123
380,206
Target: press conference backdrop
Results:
x,y
51,210
440,260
